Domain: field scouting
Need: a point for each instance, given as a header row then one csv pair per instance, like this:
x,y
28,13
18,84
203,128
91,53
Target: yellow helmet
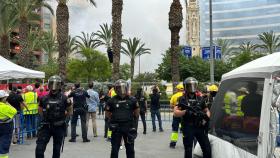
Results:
x,y
180,87
213,88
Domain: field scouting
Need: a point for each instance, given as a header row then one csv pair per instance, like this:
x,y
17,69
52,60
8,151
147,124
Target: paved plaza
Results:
x,y
152,145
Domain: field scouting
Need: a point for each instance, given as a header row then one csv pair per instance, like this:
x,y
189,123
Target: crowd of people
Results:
x,y
48,112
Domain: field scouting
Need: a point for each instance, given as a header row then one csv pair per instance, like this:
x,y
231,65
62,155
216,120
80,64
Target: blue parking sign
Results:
x,y
217,53
187,51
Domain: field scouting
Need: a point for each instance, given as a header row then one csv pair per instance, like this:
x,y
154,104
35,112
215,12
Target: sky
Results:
x,y
145,19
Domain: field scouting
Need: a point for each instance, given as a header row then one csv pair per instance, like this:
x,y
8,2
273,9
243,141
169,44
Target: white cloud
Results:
x,y
145,19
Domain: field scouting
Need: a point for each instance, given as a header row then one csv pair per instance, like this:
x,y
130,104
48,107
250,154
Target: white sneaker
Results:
x,y
121,147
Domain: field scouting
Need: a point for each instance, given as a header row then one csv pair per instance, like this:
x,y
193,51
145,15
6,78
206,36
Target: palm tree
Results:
x,y
134,49
71,46
175,25
248,47
26,13
104,37
117,7
226,46
62,21
86,40
270,42
49,44
7,23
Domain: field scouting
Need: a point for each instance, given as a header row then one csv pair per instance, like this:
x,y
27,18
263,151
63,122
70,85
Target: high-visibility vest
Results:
x,y
30,99
239,101
112,92
7,112
229,101
174,99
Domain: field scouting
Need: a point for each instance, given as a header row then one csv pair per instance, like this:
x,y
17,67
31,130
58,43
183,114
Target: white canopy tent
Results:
x,y
267,68
9,70
262,68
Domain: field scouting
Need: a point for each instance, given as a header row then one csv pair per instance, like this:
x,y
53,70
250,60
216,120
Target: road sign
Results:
x,y
217,53
187,51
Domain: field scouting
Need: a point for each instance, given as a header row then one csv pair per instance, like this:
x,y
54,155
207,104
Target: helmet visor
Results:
x,y
191,87
121,89
54,85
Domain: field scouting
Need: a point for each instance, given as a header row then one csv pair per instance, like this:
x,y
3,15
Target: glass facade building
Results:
x,y
239,20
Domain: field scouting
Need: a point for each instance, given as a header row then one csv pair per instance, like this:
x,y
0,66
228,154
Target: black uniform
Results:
x,y
52,123
142,104
123,124
79,109
194,124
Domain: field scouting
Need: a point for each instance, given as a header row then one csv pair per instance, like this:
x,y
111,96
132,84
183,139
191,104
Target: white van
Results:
x,y
245,112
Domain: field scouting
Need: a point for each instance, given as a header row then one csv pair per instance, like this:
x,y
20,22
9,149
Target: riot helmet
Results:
x,y
190,85
121,88
54,84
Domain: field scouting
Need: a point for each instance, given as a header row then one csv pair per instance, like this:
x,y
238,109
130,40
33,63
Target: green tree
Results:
x,y
270,42
226,46
49,45
62,22
125,71
104,36
86,40
50,69
26,13
195,67
71,47
134,48
7,23
175,25
94,66
247,52
146,77
117,7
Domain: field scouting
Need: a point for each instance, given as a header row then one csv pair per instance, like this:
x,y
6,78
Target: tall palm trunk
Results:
x,y
175,25
117,6
5,46
132,63
24,56
62,20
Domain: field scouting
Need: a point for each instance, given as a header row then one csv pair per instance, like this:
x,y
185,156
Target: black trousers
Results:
x,y
106,127
44,135
76,114
143,118
117,135
201,136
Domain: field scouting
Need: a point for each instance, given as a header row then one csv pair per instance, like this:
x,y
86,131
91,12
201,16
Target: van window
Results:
x,y
236,112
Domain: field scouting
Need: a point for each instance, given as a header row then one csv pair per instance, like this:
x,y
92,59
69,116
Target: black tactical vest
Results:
x,y
122,111
54,110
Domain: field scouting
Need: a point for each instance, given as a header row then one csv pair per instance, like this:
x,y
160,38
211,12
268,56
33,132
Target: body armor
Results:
x,y
54,111
123,112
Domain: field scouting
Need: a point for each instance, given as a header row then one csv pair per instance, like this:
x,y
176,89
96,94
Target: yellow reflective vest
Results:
x,y
30,99
239,101
230,102
175,98
7,112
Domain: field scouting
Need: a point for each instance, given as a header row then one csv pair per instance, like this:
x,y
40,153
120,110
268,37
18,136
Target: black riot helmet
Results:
x,y
190,85
54,84
121,88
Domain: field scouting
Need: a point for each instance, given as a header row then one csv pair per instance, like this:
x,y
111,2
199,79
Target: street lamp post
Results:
x,y
211,43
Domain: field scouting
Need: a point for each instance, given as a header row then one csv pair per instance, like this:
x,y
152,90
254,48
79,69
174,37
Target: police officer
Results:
x,y
79,109
7,113
53,109
176,120
142,102
123,112
195,115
